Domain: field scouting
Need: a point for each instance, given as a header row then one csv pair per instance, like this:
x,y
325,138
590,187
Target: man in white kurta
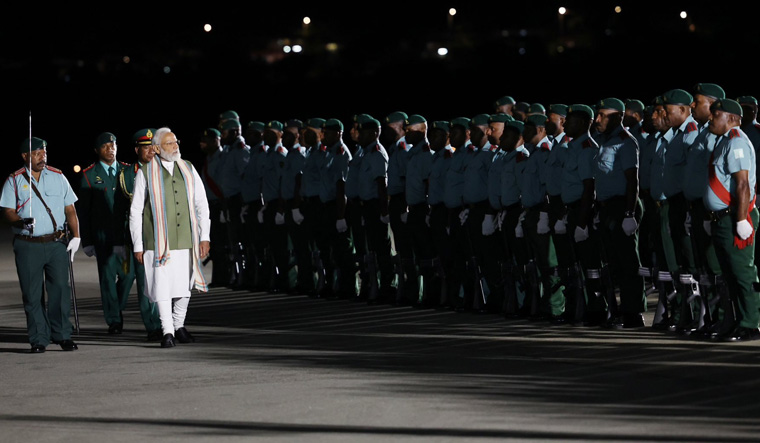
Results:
x,y
169,245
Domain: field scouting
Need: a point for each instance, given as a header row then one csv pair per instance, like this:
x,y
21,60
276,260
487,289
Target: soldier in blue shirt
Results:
x,y
42,258
438,135
729,198
353,203
616,184
257,271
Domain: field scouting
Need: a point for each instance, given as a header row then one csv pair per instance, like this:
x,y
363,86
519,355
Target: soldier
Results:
x,y
504,105
257,271
730,199
309,205
633,119
616,184
210,144
38,244
227,115
751,127
353,203
236,156
438,220
101,227
520,111
142,140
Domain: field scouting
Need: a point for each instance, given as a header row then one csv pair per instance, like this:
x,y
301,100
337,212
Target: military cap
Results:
x,y
520,126
747,100
104,138
143,136
522,107
582,108
678,97
226,115
231,124
359,118
294,123
728,105
211,132
536,108
441,124
537,119
333,124
559,110
37,143
480,120
506,100
658,101
634,105
710,90
611,103
414,119
315,123
256,125
397,116
275,125
460,121
369,123
500,118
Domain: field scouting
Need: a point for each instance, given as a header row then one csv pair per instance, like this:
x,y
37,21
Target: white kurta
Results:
x,y
174,279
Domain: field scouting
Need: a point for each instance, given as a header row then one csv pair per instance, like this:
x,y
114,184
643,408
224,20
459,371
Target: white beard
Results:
x,y
170,157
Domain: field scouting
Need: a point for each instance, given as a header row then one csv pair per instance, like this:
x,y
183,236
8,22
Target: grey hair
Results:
x,y
159,135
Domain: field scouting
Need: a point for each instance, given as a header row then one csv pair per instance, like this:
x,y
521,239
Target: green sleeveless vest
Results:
x,y
177,213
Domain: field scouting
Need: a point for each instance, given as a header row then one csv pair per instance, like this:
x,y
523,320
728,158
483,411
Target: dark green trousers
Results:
x,y
115,283
587,254
541,247
49,263
378,238
301,252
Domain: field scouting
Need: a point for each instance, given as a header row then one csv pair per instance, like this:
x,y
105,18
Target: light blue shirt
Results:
x,y
334,169
235,161
532,178
452,192
477,163
419,165
646,154
353,174
656,171
397,167
374,166
675,156
253,173
513,164
293,166
271,179
697,164
580,158
54,188
437,181
312,175
554,164
733,153
211,176
618,153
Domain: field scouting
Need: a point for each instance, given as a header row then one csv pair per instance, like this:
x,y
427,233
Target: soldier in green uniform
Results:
x,y
142,140
42,259
102,229
730,198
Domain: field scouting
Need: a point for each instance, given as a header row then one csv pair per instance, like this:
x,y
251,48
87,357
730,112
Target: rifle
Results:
x,y
65,240
580,284
481,287
316,262
609,283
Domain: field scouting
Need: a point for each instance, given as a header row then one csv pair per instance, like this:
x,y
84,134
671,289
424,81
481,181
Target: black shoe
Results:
x,y
115,328
633,321
155,335
37,349
557,320
740,333
168,341
664,325
613,323
183,336
67,345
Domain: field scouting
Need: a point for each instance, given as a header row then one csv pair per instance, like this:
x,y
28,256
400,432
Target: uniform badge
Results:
x,y
98,180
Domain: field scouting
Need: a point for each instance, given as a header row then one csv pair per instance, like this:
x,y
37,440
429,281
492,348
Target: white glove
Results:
x,y
260,215
707,226
743,229
279,218
596,221
500,219
543,223
427,220
297,216
73,247
243,213
385,219
119,251
687,222
463,216
88,250
341,225
629,226
488,226
404,217
222,218
581,234
560,227
362,220
519,232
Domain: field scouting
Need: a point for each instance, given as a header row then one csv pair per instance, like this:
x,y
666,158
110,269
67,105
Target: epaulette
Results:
x,y
341,150
733,133
691,127
124,164
19,172
136,167
494,148
281,150
56,170
88,168
402,145
757,126
377,147
545,146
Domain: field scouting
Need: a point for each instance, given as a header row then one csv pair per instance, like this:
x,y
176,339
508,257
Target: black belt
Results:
x,y
41,238
717,215
513,207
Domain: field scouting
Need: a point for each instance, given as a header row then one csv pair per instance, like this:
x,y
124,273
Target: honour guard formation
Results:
x,y
566,214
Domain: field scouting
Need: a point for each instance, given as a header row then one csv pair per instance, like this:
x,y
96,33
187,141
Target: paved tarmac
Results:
x,y
287,368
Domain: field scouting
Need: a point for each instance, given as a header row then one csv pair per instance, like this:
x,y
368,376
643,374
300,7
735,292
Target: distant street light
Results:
x,y
562,10
297,48
286,49
684,15
207,27
618,9
443,51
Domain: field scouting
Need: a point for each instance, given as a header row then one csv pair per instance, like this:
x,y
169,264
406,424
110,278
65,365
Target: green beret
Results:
x,y
414,119
537,119
442,125
226,115
37,143
460,121
143,137
369,123
727,105
678,97
506,100
500,118
480,120
611,103
522,107
333,124
315,123
710,90
582,108
747,100
536,108
559,109
634,105
231,124
256,125
104,138
294,123
211,133
359,118
520,126
397,116
276,125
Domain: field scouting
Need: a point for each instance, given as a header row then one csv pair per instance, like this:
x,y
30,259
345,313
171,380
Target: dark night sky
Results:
x,y
65,64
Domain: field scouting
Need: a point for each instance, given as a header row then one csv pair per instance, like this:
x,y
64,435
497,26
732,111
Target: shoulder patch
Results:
x,y
19,172
88,168
494,148
691,127
757,126
281,150
733,133
56,170
545,146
